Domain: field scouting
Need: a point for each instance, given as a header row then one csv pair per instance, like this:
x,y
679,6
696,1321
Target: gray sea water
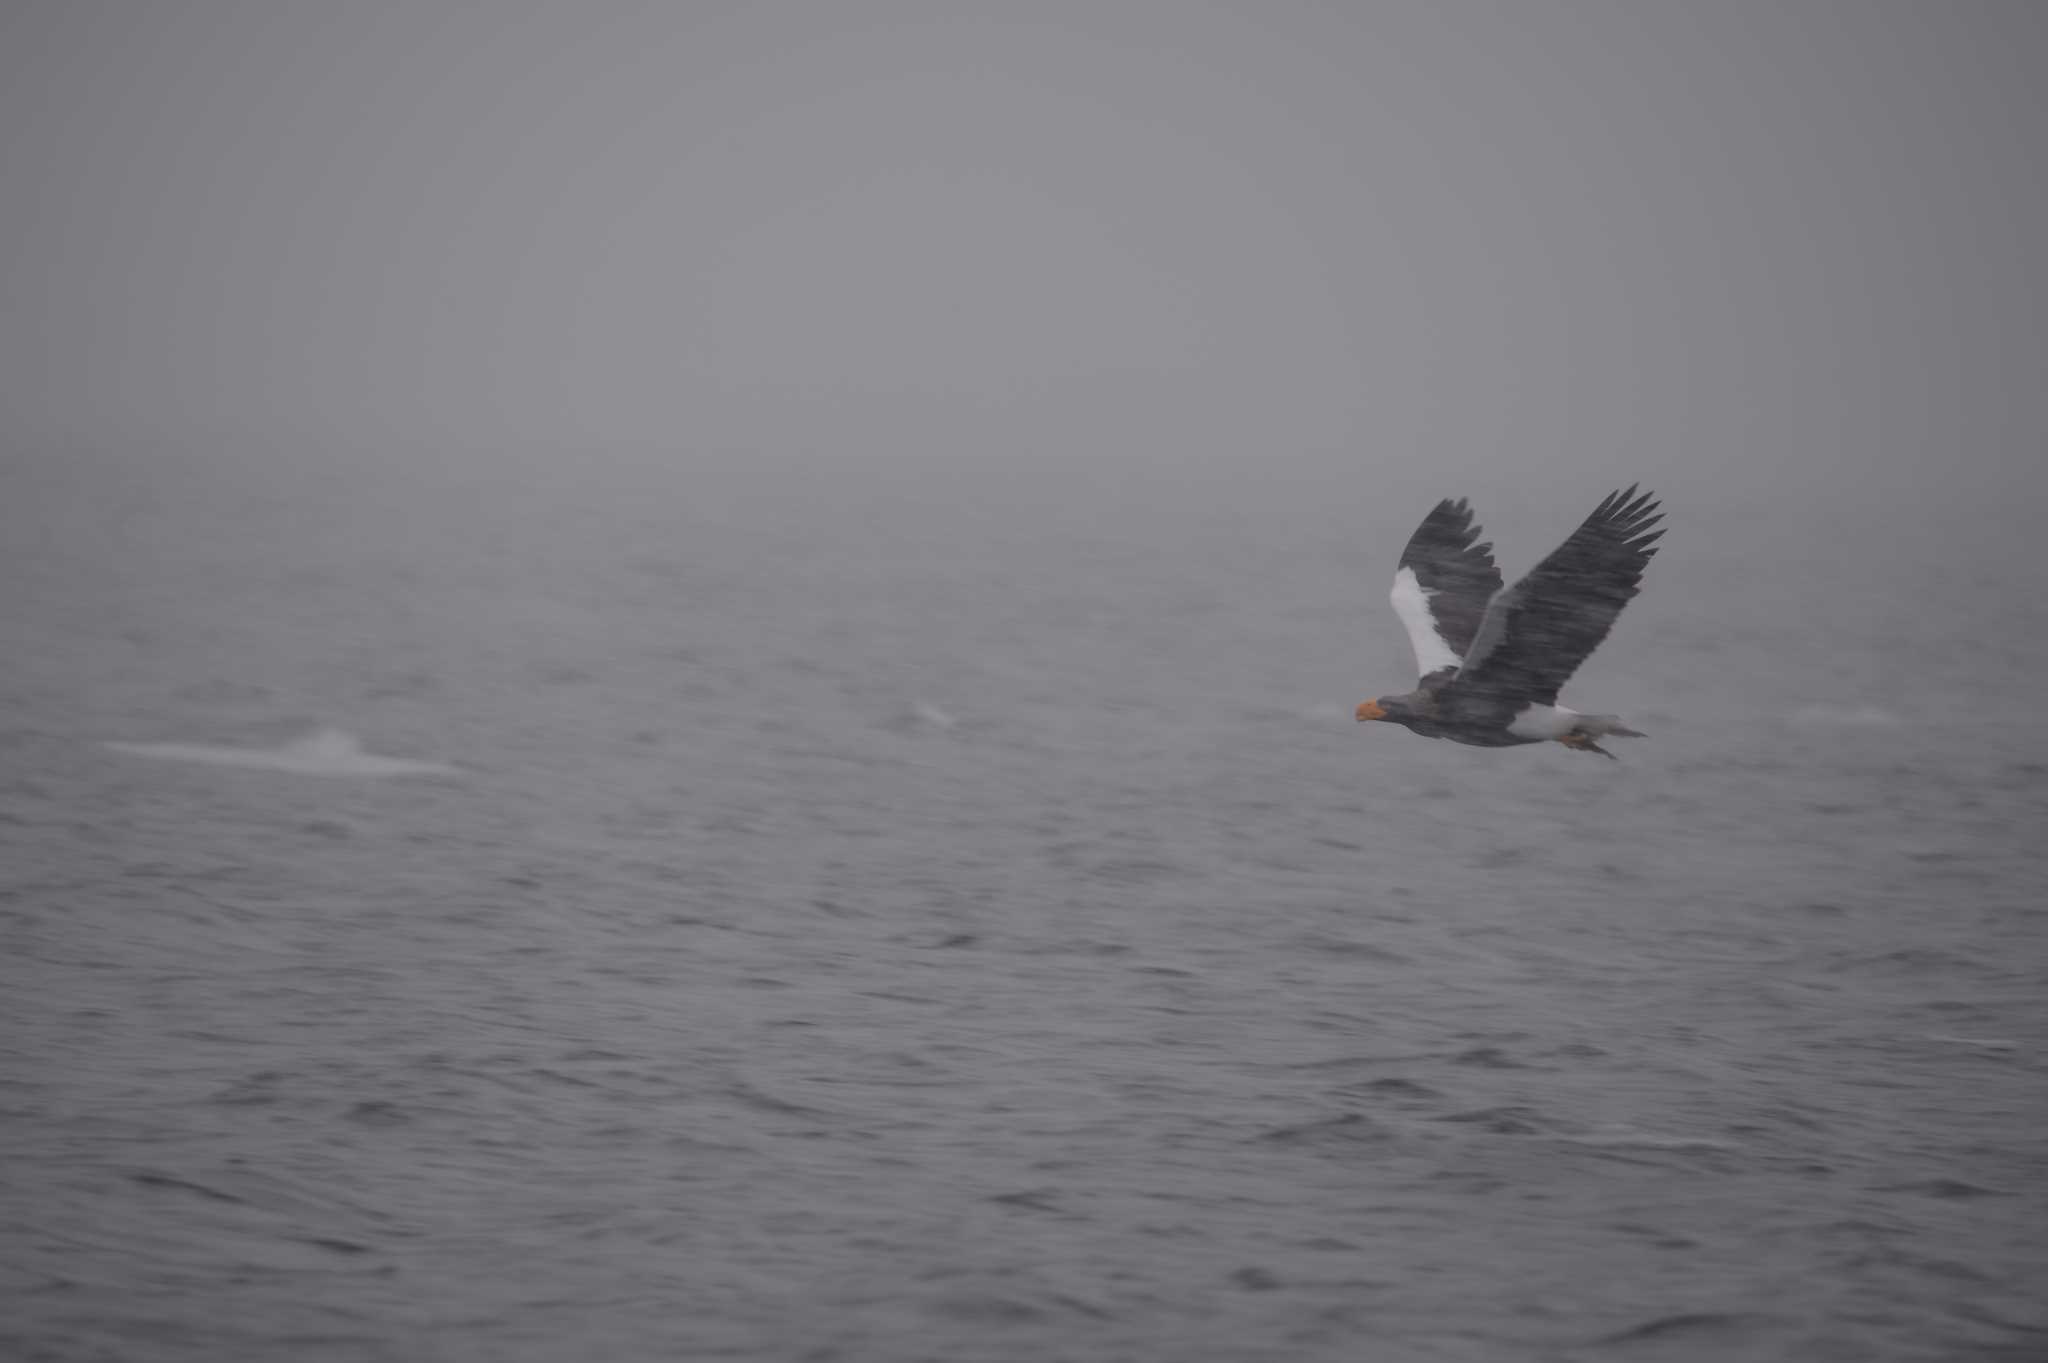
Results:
x,y
923,911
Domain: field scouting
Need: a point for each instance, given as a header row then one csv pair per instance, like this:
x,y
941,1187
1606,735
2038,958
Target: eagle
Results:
x,y
1492,661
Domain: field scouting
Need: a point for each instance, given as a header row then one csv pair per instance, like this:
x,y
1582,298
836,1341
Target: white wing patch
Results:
x,y
1411,603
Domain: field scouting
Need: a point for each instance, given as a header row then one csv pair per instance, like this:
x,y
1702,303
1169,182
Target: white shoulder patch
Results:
x,y
1411,603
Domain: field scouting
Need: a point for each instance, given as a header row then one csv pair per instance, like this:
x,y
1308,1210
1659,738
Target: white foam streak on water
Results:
x,y
1850,716
326,752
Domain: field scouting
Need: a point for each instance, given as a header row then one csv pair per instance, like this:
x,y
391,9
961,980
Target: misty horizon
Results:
x,y
1678,243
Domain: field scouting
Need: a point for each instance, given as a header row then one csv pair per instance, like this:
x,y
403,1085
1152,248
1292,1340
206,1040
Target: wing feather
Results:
x,y
1535,634
1442,585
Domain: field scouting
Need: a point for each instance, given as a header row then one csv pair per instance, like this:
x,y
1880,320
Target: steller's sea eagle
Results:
x,y
1491,660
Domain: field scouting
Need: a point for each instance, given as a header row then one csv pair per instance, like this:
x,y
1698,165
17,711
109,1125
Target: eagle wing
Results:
x,y
1442,585
1535,634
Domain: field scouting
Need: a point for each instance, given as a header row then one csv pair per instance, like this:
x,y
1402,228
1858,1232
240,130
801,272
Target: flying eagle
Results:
x,y
1491,660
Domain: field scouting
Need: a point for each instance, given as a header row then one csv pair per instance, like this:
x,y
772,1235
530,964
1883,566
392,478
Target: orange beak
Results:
x,y
1370,709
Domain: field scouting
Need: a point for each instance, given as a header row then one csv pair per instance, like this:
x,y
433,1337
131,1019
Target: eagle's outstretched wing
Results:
x,y
1536,633
1442,585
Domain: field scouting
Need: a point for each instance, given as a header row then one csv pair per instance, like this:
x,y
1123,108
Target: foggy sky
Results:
x,y
1587,239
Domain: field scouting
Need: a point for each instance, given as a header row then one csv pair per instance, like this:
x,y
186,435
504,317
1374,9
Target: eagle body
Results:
x,y
1493,659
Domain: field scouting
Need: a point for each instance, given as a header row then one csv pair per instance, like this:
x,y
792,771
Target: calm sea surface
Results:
x,y
897,912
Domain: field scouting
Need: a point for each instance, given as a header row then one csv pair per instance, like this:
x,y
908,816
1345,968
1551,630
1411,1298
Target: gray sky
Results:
x,y
1589,239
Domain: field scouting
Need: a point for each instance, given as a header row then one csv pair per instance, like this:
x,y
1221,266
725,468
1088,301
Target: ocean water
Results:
x,y
895,910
